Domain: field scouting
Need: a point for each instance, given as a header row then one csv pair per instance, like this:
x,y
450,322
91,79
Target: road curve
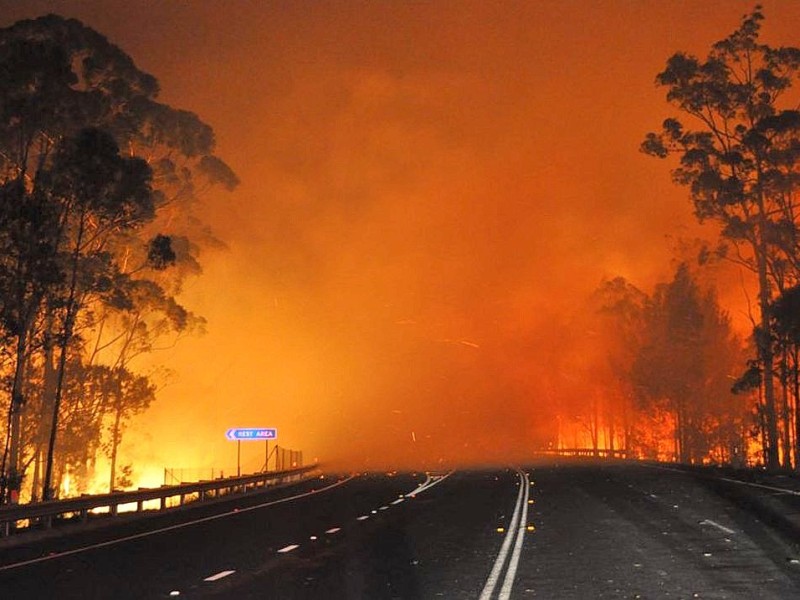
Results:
x,y
574,531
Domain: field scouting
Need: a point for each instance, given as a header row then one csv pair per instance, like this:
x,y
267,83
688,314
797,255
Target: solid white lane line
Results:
x,y
494,576
334,530
771,488
511,573
288,548
384,508
398,501
172,527
219,575
718,526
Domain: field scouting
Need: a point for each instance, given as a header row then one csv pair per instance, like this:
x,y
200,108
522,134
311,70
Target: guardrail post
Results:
x,y
114,509
84,515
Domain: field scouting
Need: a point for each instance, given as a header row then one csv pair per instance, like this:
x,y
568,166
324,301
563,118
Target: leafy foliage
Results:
x,y
742,164
94,241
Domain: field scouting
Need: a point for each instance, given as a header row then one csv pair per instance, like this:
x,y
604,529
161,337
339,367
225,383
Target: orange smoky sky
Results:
x,y
428,190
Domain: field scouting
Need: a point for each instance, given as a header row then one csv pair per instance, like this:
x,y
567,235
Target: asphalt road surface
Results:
x,y
573,531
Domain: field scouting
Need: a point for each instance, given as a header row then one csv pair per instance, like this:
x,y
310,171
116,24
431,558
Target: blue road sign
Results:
x,y
251,433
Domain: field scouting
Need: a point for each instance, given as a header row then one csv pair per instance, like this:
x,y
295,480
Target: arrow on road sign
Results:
x,y
252,433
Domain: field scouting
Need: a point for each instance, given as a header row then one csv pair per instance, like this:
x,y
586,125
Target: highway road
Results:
x,y
576,530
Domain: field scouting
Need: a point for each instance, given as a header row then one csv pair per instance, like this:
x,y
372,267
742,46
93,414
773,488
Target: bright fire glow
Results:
x,y
428,197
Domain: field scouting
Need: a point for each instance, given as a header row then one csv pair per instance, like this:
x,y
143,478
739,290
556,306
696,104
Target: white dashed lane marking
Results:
x,y
219,575
144,534
429,482
718,526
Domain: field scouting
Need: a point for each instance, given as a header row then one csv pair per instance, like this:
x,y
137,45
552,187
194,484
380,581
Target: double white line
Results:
x,y
516,529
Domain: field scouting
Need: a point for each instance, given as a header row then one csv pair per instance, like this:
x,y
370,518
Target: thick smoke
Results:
x,y
428,193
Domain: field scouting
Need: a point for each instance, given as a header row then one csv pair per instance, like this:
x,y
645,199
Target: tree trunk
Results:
x,y
115,434
611,434
14,482
796,392
762,425
680,432
626,427
69,322
785,425
594,429
37,474
765,343
610,417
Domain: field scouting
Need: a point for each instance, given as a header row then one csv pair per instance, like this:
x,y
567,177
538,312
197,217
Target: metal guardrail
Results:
x,y
45,511
598,452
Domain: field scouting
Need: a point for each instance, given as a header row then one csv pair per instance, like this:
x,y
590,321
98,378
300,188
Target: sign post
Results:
x,y
251,434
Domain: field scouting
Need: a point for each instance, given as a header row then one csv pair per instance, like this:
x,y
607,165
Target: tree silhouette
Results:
x,y
80,220
740,163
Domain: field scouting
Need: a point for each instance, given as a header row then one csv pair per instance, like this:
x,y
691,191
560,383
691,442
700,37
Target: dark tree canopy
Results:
x,y
741,163
98,187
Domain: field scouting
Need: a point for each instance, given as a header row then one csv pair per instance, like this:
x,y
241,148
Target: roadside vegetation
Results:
x,y
687,388
99,186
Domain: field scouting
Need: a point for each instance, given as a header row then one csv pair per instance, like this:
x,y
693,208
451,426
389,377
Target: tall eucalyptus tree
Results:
x,y
95,173
741,161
